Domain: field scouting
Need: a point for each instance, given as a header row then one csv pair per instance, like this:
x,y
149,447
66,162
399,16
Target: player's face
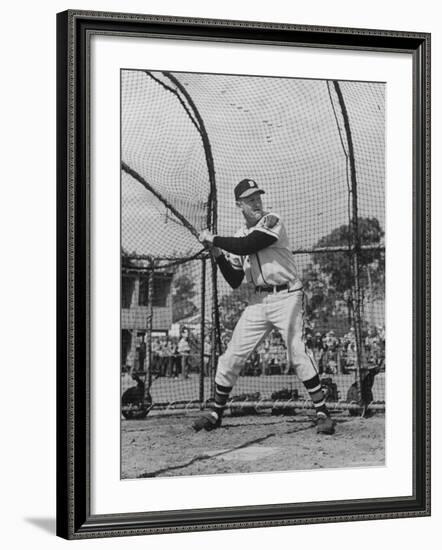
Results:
x,y
251,207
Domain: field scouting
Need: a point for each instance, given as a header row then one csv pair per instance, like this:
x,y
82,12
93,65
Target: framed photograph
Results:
x,y
243,274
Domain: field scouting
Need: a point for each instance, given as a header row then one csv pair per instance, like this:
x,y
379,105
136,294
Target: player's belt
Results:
x,y
275,288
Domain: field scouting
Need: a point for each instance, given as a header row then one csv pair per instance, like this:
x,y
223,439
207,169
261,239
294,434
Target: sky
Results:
x,y
287,134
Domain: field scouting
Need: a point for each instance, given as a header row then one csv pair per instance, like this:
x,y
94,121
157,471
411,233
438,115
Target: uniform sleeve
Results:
x,y
242,246
233,276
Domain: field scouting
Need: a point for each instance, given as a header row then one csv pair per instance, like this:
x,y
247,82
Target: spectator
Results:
x,y
207,355
331,340
155,349
162,357
264,356
275,367
168,352
140,355
372,339
374,348
184,353
330,361
176,359
350,337
309,342
323,354
350,360
318,348
252,367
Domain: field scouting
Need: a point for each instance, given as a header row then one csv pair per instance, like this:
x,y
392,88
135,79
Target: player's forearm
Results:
x,y
242,246
233,276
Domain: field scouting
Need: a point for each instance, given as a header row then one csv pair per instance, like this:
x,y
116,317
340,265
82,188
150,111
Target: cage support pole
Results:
x,y
356,244
149,325
211,223
216,327
202,329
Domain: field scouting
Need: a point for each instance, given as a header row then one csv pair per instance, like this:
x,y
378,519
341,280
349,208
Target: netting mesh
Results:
x,y
366,110
162,144
289,135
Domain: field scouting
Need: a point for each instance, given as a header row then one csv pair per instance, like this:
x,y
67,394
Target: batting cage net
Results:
x,y
317,149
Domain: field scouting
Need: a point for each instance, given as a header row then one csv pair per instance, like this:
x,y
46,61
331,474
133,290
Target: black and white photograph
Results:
x,y
252,274
221,264
243,274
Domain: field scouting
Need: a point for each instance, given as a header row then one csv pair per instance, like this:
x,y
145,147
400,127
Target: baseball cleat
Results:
x,y
207,420
325,425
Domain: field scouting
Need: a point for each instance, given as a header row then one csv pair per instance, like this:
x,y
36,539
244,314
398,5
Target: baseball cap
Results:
x,y
245,188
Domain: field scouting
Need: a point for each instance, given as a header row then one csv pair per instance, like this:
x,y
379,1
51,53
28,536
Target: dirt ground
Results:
x,y
166,445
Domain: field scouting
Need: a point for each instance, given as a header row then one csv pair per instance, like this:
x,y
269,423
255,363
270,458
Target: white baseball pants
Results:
x,y
284,311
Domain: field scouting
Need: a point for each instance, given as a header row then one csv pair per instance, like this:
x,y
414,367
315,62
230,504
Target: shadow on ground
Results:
x,y
46,524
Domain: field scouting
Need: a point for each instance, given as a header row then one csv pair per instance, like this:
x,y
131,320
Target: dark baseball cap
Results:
x,y
245,188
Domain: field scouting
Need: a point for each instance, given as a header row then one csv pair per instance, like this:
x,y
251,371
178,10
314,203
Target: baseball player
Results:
x,y
259,252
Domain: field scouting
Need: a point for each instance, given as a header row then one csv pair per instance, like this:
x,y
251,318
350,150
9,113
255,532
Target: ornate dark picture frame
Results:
x,y
74,518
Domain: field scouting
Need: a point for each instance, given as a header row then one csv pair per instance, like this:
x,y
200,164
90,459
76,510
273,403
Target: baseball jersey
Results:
x,y
273,265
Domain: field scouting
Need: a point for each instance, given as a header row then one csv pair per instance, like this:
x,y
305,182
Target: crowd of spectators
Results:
x,y
175,357
171,356
333,354
337,355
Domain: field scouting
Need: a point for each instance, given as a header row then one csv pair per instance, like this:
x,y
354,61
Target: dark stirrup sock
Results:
x,y
317,396
221,396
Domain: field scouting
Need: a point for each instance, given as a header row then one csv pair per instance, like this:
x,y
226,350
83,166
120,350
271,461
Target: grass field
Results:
x,y
166,445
